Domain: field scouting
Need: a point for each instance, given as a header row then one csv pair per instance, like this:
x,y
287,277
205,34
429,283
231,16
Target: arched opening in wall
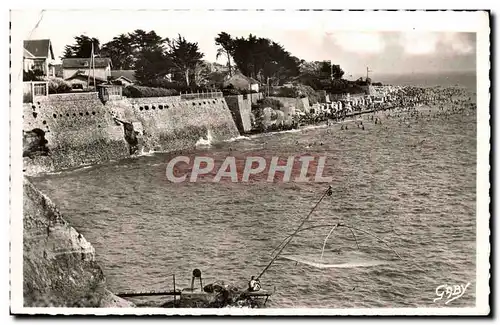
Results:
x,y
67,114
60,115
54,115
214,101
44,122
34,143
194,104
153,107
81,114
86,113
204,103
166,106
199,103
93,113
146,107
141,108
35,114
160,106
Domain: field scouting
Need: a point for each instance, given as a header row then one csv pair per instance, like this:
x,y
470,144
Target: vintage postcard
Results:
x,y
285,162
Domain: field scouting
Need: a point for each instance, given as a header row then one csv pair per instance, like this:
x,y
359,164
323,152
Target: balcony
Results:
x,y
34,89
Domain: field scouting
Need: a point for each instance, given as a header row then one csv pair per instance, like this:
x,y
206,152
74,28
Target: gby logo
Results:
x,y
450,292
247,169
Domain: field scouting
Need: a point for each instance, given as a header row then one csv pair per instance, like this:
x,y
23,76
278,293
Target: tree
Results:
x,y
319,74
201,74
126,49
151,65
142,40
262,59
184,56
225,43
121,52
82,47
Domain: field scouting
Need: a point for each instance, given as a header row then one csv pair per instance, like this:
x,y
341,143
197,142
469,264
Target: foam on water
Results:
x,y
240,137
202,142
326,264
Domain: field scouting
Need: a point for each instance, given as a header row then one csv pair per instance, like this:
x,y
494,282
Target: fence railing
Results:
x,y
201,95
32,89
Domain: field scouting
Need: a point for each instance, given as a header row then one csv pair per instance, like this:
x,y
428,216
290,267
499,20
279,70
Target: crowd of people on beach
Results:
x,y
414,103
406,104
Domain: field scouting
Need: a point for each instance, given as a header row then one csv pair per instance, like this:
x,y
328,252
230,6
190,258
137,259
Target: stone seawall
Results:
x,y
300,104
69,130
241,109
59,267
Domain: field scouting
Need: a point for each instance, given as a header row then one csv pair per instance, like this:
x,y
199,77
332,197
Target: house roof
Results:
x,y
239,75
39,48
27,54
82,63
127,74
82,75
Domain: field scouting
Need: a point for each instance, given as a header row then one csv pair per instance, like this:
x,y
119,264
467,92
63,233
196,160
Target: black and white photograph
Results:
x,y
258,162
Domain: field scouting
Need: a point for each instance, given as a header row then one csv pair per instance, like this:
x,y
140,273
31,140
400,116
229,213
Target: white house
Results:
x,y
77,70
38,55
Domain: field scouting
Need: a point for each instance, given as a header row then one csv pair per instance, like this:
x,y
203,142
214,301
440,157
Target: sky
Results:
x,y
354,49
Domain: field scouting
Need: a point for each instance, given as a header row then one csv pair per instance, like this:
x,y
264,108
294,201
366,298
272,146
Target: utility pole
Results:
x,y
93,64
88,75
331,70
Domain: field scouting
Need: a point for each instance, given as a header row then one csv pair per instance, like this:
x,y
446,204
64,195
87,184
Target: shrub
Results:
x,y
173,85
288,92
231,91
269,102
58,86
134,91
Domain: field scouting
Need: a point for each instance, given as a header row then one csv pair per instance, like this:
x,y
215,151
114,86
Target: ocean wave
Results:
x,y
240,137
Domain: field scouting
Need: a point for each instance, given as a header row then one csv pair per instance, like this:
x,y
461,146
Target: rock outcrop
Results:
x,y
58,263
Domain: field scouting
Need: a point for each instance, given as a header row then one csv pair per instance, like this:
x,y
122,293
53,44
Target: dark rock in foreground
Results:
x,y
59,267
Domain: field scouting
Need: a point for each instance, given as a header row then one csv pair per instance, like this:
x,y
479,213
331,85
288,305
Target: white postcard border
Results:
x,y
331,20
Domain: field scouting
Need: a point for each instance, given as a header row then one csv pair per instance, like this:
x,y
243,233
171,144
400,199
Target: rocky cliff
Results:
x,y
59,264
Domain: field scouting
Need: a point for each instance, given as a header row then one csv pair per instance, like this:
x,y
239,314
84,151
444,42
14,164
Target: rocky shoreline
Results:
x,y
59,266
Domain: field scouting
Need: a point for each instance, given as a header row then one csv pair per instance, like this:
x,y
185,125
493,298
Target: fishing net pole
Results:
x,y
286,241
351,228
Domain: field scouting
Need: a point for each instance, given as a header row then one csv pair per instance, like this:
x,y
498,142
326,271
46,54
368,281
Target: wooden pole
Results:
x,y
93,64
173,276
88,76
287,241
